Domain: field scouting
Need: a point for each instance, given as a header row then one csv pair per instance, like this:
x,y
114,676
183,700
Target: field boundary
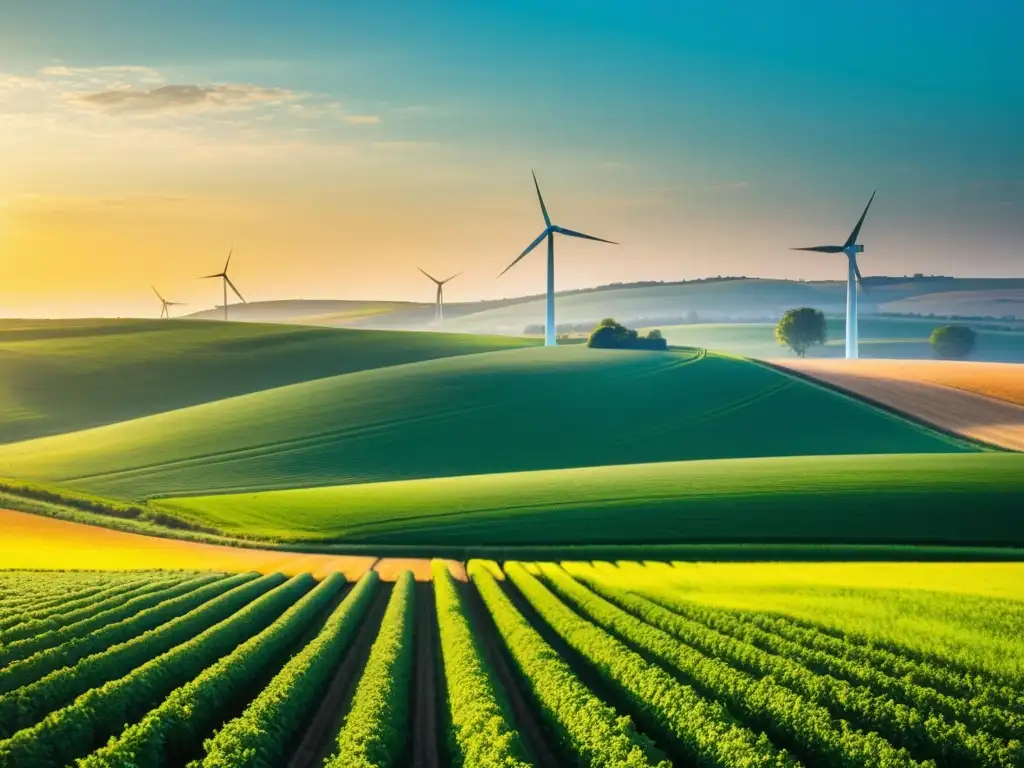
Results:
x,y
891,410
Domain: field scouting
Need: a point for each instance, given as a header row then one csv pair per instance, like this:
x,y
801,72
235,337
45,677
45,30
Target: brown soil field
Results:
x,y
982,401
44,543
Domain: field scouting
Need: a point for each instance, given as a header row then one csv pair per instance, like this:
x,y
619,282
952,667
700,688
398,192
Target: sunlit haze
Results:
x,y
338,146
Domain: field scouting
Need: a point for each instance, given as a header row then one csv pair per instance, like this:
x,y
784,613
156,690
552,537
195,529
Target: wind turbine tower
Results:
x,y
439,301
165,305
549,234
223,275
853,277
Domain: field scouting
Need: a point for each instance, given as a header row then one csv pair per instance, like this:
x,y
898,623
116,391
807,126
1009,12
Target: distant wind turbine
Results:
x,y
549,233
223,274
165,305
439,301
851,249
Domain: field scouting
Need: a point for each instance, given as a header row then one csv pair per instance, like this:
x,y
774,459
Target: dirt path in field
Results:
x,y
317,742
976,400
524,714
45,543
426,664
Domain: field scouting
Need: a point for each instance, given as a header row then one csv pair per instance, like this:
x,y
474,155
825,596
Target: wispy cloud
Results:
x,y
185,98
362,119
730,186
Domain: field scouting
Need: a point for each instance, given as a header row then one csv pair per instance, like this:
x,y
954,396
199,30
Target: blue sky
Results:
x,y
707,138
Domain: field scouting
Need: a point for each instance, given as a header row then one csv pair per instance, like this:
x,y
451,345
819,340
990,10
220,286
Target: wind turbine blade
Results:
x,y
852,240
573,233
428,274
821,249
228,279
532,245
543,208
157,292
451,278
860,280
226,263
210,277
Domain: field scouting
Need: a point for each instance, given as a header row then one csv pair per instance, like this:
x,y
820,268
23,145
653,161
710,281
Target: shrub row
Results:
x,y
260,736
94,716
702,730
28,670
588,729
21,649
26,706
70,615
165,735
894,662
806,728
376,728
924,735
976,714
12,627
480,733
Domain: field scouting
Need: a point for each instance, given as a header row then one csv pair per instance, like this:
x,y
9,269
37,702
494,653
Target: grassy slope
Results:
x,y
880,337
58,376
523,410
829,499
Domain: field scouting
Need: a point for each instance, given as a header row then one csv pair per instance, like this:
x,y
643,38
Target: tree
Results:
x,y
800,328
953,342
654,333
609,322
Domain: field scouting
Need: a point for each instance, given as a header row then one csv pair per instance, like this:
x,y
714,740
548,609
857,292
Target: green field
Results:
x,y
526,664
529,409
64,375
880,337
827,499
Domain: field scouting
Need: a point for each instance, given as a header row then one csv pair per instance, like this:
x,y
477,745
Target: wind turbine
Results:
x,y
851,249
439,302
549,233
223,274
165,313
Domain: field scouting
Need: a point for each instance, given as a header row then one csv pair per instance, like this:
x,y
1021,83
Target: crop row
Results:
x,y
165,736
81,727
27,705
587,728
47,593
375,728
481,733
259,737
803,726
69,614
928,736
976,714
21,649
28,670
12,625
891,661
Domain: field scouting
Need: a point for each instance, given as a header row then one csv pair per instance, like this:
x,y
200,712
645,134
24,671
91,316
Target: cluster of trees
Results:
x,y
800,329
611,335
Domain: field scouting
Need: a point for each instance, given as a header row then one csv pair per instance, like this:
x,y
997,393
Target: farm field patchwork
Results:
x,y
983,401
497,412
522,664
897,338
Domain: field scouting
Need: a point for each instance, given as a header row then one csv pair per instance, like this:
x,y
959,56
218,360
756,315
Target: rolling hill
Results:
x,y
63,375
889,499
519,410
713,299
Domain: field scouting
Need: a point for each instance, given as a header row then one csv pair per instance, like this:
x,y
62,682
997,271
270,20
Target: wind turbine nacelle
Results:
x,y
858,249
